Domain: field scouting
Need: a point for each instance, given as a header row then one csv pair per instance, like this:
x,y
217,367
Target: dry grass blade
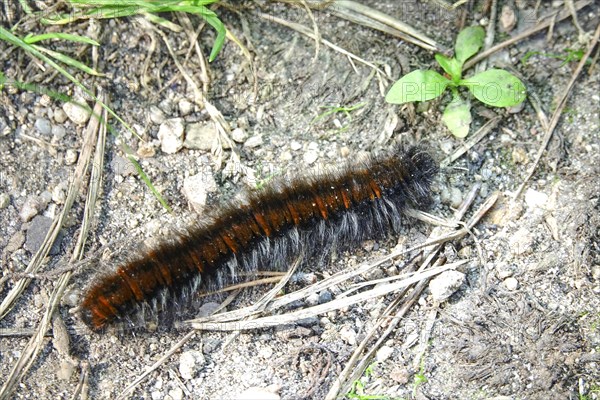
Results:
x,y
92,135
336,304
307,32
471,141
74,190
545,23
335,279
559,109
370,17
355,368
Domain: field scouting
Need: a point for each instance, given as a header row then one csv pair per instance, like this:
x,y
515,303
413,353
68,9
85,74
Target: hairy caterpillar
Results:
x,y
308,215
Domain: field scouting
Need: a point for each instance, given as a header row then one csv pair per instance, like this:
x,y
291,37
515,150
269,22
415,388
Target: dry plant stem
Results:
x,y
352,6
365,20
489,35
558,112
305,31
540,26
335,279
336,304
354,369
95,131
471,141
37,260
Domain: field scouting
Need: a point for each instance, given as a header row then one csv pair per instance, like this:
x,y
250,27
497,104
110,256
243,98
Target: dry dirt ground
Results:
x,y
525,324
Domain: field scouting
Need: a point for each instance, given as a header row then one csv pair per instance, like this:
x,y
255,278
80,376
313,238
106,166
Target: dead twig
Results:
x,y
558,112
545,23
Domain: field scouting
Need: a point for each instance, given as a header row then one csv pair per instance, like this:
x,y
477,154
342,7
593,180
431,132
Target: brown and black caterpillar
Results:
x,y
308,216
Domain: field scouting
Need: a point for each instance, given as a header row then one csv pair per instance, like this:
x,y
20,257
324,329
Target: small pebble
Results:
x,y
445,284
59,116
4,200
58,132
325,297
348,335
535,199
43,126
310,157
170,135
295,146
146,150
190,363
384,353
511,283
312,299
400,375
286,156
239,135
36,234
521,242
176,393
71,156
508,18
200,136
59,193
32,206
254,141
156,115
76,113
519,155
185,107
196,188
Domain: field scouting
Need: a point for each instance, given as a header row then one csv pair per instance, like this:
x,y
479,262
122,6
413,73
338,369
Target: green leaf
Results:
x,y
452,66
418,85
468,43
30,39
496,87
457,117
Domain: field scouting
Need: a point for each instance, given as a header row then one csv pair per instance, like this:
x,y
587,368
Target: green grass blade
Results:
x,y
31,39
68,60
32,50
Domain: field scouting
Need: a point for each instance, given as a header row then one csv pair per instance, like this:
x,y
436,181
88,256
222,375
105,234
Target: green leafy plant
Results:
x,y
494,87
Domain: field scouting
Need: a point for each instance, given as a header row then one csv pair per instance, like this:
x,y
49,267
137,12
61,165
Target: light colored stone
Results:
x,y
43,126
200,136
170,135
384,353
156,115
185,107
310,157
4,200
71,156
521,242
348,335
511,283
239,135
445,284
196,188
535,199
254,141
190,363
78,113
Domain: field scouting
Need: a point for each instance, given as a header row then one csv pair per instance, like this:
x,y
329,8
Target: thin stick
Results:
x,y
541,26
36,343
558,112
